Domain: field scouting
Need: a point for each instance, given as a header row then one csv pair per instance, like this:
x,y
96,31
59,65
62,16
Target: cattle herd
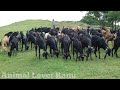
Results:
x,y
67,41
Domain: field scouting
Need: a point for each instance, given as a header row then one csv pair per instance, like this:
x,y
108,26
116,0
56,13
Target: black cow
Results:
x,y
16,34
86,43
116,45
14,45
84,32
113,31
8,34
96,32
77,47
41,44
24,41
0,43
118,33
99,42
31,37
53,45
65,44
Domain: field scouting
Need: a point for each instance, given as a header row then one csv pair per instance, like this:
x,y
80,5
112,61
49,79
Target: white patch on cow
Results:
x,y
46,35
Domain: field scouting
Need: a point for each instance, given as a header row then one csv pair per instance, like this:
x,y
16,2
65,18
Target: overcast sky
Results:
x,y
8,17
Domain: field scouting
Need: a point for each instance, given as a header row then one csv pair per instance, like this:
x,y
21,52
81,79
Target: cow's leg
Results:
x,y
73,52
25,46
105,55
71,45
51,52
39,52
17,47
116,51
11,51
59,45
46,46
70,56
95,50
90,55
36,49
31,45
99,52
76,55
22,47
87,55
62,48
112,50
69,53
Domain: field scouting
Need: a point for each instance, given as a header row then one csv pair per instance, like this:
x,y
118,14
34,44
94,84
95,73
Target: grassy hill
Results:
x,y
27,65
29,24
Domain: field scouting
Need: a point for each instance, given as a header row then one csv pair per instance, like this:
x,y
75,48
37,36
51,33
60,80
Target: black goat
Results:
x,y
77,47
99,42
41,44
14,45
24,41
65,44
53,45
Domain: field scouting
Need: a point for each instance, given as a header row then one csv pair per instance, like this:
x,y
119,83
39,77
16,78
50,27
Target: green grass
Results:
x,y
26,63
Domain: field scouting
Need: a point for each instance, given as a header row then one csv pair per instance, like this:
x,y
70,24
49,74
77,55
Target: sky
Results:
x,y
8,17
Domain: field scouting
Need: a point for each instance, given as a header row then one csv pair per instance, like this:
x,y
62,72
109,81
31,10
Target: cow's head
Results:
x,y
9,54
45,54
108,51
57,53
66,55
81,57
27,47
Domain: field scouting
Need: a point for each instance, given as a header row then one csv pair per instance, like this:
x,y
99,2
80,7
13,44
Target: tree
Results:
x,y
90,20
103,18
113,17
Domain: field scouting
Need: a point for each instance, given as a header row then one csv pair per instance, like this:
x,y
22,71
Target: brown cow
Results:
x,y
5,43
108,36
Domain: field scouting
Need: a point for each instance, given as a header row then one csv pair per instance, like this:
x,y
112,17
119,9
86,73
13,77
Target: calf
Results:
x,y
5,43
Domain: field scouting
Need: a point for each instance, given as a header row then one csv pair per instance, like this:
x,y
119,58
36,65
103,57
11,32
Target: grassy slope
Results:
x,y
27,62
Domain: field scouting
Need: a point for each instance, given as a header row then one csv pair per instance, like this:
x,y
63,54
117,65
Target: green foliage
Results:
x,y
103,18
90,20
113,17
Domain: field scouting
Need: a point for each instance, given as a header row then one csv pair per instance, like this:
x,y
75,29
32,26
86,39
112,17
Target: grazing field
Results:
x,y
26,65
